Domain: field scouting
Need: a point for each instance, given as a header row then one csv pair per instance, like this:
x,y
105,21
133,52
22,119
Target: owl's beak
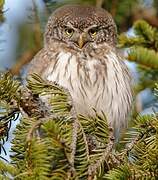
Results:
x,y
81,41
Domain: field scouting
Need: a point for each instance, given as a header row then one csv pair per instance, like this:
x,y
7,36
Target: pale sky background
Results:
x,y
17,12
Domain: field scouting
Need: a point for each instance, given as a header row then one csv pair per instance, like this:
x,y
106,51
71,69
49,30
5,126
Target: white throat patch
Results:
x,y
93,83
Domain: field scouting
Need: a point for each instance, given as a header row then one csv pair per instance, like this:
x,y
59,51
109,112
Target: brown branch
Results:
x,y
114,8
76,126
33,128
37,28
147,14
37,124
24,59
128,148
74,142
29,54
132,143
99,3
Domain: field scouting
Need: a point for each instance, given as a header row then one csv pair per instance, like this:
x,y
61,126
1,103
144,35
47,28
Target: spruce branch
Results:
x,y
143,50
9,98
127,42
76,132
144,56
104,158
144,36
143,29
59,144
73,146
6,170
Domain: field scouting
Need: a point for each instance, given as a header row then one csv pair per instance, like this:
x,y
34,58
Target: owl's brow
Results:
x,y
69,25
92,26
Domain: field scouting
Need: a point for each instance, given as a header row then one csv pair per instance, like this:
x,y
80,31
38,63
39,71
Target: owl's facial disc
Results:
x,y
79,27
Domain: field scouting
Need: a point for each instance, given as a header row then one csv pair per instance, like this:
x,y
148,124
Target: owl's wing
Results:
x,y
40,62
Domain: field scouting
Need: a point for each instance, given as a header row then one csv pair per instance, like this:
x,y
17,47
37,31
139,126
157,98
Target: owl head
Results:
x,y
79,27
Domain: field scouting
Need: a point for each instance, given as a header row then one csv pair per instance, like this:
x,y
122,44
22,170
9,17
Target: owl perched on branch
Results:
x,y
80,54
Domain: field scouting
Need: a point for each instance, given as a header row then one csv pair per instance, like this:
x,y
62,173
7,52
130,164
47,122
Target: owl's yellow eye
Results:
x,y
93,32
69,32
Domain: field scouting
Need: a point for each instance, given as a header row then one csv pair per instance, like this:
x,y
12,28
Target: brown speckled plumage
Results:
x,y
81,17
85,61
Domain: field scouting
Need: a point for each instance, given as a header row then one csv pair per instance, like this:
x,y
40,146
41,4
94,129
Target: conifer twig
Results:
x,y
37,124
129,146
93,168
74,135
73,144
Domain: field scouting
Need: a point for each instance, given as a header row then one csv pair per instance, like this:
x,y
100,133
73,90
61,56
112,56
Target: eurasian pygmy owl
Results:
x,y
80,54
